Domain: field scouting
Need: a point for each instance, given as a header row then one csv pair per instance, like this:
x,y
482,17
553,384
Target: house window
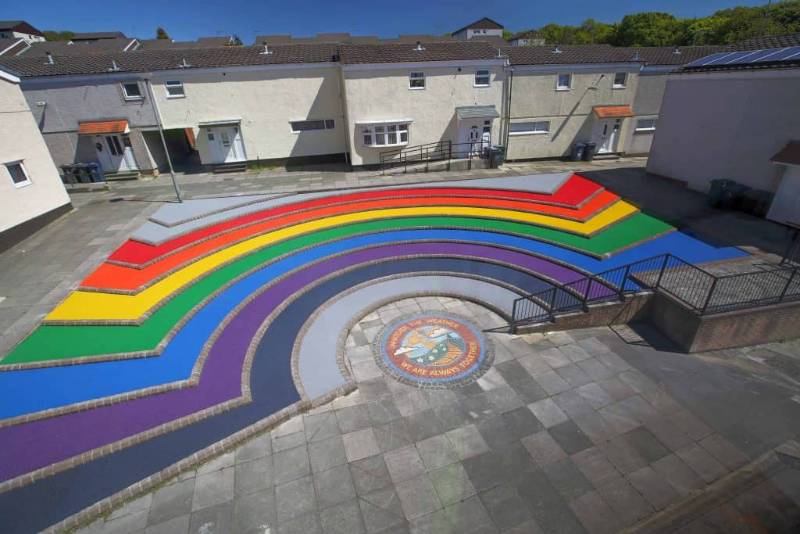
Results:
x,y
309,125
385,134
619,80
645,125
132,91
174,89
482,78
529,128
564,82
19,176
416,80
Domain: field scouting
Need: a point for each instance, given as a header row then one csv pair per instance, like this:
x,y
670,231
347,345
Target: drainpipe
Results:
x,y
163,139
508,107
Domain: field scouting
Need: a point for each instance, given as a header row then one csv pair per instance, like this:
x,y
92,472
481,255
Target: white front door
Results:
x,y
478,132
786,203
606,135
114,152
225,143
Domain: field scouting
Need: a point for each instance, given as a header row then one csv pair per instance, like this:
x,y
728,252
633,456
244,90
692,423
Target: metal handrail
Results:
x,y
437,151
699,290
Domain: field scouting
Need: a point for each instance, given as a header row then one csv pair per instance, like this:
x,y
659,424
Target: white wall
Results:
x,y
265,101
20,140
726,125
382,94
534,97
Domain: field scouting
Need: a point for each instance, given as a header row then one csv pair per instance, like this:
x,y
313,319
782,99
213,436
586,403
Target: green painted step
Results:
x,y
50,343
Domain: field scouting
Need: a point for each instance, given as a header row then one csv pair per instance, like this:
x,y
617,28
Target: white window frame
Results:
x,y
645,129
327,124
567,87
174,84
383,132
21,164
537,128
624,84
488,77
416,76
128,97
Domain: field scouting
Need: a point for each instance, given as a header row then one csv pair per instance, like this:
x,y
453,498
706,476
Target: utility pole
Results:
x,y
163,139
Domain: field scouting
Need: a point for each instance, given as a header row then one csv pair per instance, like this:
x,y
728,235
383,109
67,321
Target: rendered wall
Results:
x,y
265,101
384,95
534,98
58,107
20,140
726,125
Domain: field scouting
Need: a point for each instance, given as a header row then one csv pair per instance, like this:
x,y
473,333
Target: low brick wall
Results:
x,y
694,333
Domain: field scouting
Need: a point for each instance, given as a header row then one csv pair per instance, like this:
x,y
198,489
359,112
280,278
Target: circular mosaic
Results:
x,y
433,349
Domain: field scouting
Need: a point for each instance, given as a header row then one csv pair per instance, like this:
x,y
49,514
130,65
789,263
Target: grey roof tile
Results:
x,y
408,53
155,60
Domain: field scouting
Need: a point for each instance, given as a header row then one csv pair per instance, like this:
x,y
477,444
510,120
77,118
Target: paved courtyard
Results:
x,y
589,430
567,432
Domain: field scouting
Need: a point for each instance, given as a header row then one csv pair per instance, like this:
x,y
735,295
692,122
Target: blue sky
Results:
x,y
188,19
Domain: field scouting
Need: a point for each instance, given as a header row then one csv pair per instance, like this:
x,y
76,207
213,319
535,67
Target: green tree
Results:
x,y
161,33
649,29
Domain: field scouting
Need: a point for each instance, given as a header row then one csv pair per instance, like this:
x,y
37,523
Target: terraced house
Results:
x,y
337,98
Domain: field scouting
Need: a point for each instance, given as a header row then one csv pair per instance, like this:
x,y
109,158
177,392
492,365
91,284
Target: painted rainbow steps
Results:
x,y
213,281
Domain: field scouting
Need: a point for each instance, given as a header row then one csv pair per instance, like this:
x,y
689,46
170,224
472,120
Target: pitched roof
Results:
x,y
88,36
19,25
494,40
155,60
567,54
330,38
215,41
12,45
484,23
81,48
408,53
672,55
771,41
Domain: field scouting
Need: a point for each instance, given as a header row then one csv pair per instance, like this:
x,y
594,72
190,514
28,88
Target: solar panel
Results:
x,y
749,57
703,59
782,54
755,55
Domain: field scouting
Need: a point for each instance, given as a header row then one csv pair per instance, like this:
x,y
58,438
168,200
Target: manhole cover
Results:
x,y
433,349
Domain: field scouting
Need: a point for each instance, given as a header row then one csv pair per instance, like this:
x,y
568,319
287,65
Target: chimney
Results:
x,y
50,60
114,66
676,51
266,50
184,64
556,50
419,47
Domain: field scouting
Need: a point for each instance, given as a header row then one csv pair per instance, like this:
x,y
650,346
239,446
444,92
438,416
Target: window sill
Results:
x,y
644,130
514,134
22,185
133,98
416,88
563,88
481,86
385,146
172,97
619,86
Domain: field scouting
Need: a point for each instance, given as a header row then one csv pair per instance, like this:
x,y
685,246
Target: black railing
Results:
x,y
433,152
699,290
